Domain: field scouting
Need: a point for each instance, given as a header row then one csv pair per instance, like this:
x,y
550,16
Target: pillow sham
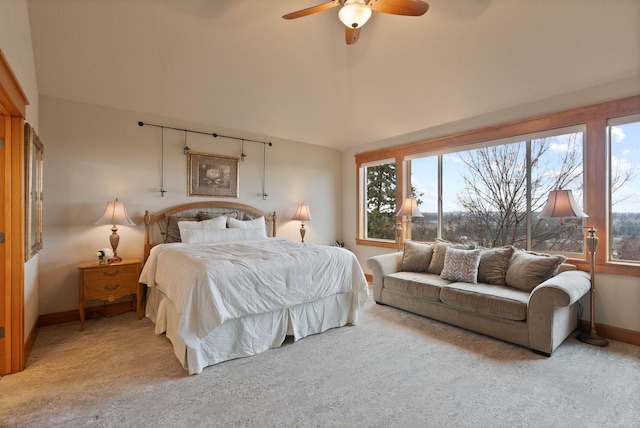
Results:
x,y
527,269
219,222
203,236
416,256
172,233
258,223
494,263
461,265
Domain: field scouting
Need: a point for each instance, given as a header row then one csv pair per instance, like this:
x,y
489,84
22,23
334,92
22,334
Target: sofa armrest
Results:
x,y
548,313
380,266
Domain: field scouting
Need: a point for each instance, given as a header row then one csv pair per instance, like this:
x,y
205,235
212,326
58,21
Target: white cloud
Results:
x,y
617,134
559,147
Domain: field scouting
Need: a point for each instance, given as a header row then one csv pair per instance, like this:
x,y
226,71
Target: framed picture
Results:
x,y
212,175
34,151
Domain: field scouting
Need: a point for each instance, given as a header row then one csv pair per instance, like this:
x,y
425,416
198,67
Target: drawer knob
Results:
x,y
111,287
114,273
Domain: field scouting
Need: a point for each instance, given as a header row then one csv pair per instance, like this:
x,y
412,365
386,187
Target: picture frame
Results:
x,y
34,164
212,175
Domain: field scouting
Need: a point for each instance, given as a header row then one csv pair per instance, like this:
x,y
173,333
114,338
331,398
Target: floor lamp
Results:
x,y
409,209
559,205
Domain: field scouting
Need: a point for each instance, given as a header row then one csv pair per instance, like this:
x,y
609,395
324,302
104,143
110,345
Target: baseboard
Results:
x,y
614,333
90,312
28,344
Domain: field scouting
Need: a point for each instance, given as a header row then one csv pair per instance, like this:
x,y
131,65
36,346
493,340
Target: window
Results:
x,y
488,192
592,150
624,176
379,200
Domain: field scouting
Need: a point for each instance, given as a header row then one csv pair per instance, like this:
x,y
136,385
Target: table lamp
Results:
x,y
115,214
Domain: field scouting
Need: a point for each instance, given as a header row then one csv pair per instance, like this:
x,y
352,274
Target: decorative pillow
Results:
x,y
202,236
173,231
257,223
439,251
416,256
493,265
219,222
527,270
461,265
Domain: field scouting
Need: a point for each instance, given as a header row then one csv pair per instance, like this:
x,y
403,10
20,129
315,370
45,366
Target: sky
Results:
x,y
625,156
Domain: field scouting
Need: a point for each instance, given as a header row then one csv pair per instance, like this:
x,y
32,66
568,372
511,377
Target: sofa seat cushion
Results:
x,y
421,285
496,301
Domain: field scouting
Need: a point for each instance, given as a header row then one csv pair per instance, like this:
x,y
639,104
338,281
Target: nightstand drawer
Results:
x,y
111,281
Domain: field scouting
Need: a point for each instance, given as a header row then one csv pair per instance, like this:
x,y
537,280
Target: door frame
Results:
x,y
13,106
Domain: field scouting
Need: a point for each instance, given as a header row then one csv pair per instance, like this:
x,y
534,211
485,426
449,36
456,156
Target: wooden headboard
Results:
x,y
155,225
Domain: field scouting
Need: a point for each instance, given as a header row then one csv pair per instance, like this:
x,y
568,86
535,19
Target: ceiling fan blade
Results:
x,y
399,7
351,35
311,10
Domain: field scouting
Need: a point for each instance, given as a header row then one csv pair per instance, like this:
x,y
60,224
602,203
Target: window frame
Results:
x,y
595,151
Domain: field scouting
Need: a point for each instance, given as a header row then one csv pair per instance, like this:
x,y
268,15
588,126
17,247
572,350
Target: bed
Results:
x,y
221,285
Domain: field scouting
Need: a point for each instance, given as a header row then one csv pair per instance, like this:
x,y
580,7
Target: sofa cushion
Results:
x,y
461,265
416,256
527,269
493,265
496,301
415,284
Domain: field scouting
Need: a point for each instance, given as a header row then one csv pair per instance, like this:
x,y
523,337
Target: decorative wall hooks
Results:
x,y
186,150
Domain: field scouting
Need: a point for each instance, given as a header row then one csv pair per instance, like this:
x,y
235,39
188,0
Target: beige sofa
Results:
x,y
539,319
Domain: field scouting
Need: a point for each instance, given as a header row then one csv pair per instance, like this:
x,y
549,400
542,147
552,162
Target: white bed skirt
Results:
x,y
250,335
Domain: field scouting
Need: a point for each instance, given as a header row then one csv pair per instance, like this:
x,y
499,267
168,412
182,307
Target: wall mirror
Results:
x,y
34,150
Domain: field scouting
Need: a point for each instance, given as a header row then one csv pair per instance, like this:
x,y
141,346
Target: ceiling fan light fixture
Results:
x,y
354,13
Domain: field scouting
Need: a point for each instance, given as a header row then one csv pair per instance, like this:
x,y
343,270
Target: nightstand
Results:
x,y
108,282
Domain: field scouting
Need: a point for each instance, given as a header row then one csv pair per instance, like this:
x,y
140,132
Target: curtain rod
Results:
x,y
213,134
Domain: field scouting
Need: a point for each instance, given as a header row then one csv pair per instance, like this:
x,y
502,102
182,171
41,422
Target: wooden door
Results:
x,y
13,104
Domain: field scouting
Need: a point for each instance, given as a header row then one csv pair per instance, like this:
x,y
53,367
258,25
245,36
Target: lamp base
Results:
x,y
592,338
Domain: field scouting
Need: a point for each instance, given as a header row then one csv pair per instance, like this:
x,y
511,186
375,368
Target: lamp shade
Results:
x,y
561,204
115,214
302,213
409,209
355,13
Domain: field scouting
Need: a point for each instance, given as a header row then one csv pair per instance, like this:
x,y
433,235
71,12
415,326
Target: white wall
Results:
x,y
94,154
15,43
617,296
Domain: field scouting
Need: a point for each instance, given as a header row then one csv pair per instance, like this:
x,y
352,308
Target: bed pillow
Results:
x,y
202,236
493,265
257,223
527,269
416,256
461,265
173,231
219,222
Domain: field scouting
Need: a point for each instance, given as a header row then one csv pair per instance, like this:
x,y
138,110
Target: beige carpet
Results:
x,y
393,369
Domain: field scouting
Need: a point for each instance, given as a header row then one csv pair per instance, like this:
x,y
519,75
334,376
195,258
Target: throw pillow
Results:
x,y
461,265
416,256
437,260
258,223
527,269
493,265
439,251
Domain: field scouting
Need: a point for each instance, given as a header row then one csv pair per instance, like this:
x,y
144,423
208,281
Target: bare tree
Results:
x,y
495,194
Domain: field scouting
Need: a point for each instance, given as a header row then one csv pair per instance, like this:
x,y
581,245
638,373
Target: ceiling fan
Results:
x,y
355,13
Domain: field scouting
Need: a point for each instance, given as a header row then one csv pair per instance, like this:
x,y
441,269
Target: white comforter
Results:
x,y
211,283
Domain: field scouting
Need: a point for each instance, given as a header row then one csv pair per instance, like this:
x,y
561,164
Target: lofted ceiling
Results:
x,y
238,65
